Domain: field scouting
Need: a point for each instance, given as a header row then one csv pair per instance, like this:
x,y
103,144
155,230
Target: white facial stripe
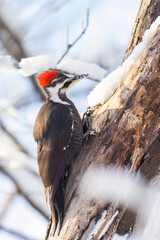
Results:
x,y
63,90
53,92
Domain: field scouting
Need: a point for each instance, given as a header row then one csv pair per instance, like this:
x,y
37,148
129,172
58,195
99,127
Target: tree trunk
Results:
x,y
148,12
126,128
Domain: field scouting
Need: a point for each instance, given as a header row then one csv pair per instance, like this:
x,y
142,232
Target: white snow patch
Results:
x,y
5,63
97,225
118,237
152,230
132,188
79,67
31,65
115,185
108,224
109,84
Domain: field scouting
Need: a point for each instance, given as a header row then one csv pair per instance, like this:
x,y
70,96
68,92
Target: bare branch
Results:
x,y
77,39
7,204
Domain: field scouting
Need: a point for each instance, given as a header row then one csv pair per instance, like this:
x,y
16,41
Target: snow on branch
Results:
x,y
108,85
27,66
31,65
78,67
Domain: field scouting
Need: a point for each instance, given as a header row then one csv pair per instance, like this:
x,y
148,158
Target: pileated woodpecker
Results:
x,y
58,132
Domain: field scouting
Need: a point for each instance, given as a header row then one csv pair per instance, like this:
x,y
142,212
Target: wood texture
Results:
x,y
126,126
149,10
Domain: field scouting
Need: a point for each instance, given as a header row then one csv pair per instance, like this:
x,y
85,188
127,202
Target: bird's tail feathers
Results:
x,y
59,207
56,202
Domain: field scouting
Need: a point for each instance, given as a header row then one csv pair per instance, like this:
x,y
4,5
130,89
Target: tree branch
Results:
x,y
7,204
21,191
77,39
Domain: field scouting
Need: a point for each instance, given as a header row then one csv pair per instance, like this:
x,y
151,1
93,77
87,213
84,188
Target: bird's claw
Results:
x,y
87,124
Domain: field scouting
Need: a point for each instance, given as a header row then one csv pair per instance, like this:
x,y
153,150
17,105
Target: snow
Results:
x,y
152,231
108,225
99,222
108,85
6,63
78,67
118,237
132,189
96,226
114,185
31,65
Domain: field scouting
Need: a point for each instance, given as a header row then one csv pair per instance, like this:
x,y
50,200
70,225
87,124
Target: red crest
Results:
x,y
47,77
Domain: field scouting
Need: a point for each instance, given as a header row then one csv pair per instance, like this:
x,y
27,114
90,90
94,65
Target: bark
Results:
x,y
148,12
127,134
126,127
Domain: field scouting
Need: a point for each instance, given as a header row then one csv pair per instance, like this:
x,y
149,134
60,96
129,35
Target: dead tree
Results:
x,y
127,128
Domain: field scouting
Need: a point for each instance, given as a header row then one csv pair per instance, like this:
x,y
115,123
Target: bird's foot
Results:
x,y
87,124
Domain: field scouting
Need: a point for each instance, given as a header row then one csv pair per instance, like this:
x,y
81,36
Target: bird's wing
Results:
x,y
52,131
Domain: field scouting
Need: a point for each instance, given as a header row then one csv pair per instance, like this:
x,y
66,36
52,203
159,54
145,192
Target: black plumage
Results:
x,y
58,133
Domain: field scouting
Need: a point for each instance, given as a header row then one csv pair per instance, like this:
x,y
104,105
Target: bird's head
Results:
x,y
55,83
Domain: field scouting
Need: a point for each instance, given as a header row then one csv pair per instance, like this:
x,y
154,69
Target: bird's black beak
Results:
x,y
70,82
78,77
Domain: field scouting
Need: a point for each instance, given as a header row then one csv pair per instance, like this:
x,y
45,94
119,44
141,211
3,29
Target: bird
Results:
x,y
58,131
